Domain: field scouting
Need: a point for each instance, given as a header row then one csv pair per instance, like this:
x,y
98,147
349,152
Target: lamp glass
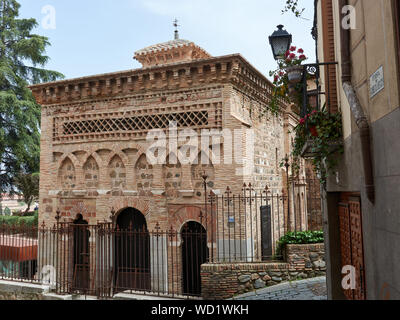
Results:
x,y
280,42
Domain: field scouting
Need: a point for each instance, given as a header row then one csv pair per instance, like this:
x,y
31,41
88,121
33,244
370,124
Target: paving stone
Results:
x,y
309,289
259,284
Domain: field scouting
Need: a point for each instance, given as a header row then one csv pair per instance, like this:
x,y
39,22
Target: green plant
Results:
x,y
304,237
293,6
31,221
7,211
321,130
282,87
28,185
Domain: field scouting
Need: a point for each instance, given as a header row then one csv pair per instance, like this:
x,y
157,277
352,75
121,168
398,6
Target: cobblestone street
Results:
x,y
310,289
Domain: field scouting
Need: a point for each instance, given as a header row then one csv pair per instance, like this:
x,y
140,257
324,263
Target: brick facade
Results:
x,y
94,130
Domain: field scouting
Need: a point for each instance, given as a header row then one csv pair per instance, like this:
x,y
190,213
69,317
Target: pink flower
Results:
x,y
292,48
302,121
287,54
281,73
302,57
300,51
276,78
314,112
292,56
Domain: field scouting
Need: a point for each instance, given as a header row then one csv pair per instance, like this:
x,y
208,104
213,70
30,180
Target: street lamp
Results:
x,y
287,166
280,42
299,75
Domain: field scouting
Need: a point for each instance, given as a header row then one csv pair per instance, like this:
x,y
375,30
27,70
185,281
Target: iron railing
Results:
x,y
107,258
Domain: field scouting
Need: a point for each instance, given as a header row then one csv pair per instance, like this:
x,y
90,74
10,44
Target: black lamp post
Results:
x,y
287,166
280,42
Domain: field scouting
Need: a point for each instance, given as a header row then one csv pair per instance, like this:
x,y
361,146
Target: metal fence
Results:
x,y
107,258
245,227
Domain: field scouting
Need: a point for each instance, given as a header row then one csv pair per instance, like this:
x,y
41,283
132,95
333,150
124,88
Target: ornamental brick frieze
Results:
x,y
137,101
172,77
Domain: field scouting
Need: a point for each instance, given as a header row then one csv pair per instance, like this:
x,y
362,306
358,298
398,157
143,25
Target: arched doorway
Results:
x,y
81,254
132,251
194,254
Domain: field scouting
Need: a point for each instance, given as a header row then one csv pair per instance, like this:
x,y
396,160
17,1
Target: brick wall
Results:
x,y
308,257
223,281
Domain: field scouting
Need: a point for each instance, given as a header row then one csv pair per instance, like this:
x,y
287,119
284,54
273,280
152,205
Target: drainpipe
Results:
x,y
356,109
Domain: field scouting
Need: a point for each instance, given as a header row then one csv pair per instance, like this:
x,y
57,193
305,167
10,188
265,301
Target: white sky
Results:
x,y
98,36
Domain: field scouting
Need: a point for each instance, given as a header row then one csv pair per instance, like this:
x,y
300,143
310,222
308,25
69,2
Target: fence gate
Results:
x,y
351,242
194,254
266,233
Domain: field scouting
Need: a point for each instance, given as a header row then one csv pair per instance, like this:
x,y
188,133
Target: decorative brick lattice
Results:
x,y
107,126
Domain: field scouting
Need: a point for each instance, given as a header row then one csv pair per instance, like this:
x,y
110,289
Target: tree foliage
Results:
x,y
22,58
293,6
28,185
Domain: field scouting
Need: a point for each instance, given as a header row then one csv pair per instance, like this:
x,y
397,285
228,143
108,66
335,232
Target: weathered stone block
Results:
x,y
259,284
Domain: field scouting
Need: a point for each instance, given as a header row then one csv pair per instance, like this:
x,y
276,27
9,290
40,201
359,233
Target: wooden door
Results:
x,y
351,242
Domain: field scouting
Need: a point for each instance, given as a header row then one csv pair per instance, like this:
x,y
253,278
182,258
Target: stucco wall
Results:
x,y
380,221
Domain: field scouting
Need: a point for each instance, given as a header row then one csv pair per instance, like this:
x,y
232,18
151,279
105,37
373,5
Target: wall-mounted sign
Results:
x,y
376,82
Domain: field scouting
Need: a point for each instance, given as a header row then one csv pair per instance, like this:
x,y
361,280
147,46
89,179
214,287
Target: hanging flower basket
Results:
x,y
287,79
295,74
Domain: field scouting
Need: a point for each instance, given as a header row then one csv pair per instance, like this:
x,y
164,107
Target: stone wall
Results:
x,y
223,281
306,257
20,291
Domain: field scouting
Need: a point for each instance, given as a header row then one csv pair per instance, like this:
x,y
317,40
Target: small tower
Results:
x,y
173,51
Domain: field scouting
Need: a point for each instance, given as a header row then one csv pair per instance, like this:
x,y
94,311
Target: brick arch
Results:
x,y
67,178
121,203
96,157
186,214
91,174
137,157
71,157
117,174
172,176
144,176
120,154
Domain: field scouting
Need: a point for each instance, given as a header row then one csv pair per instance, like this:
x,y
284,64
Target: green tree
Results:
x,y
28,185
22,58
293,6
